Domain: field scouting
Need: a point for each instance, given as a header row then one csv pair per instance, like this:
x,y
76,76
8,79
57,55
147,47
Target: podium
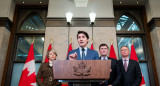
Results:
x,y
81,72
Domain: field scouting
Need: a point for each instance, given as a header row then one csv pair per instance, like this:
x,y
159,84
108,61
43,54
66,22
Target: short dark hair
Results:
x,y
103,45
83,32
124,46
54,52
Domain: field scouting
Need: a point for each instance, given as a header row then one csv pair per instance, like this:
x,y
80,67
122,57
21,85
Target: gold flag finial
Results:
x,y
33,39
111,41
71,40
51,41
92,40
132,40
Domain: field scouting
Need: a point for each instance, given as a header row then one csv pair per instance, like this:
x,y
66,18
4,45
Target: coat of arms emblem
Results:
x,y
82,70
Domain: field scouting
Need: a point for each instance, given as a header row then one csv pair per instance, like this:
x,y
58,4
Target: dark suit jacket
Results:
x,y
133,75
91,54
45,71
115,74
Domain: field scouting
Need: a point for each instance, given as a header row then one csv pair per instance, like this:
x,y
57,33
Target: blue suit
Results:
x,y
91,54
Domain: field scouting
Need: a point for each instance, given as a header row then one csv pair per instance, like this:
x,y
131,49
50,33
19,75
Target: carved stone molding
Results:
x,y
154,22
6,22
80,22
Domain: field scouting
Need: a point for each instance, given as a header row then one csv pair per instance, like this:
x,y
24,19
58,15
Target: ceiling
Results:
x,y
115,2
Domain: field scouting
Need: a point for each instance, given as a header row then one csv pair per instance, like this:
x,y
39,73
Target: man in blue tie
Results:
x,y
83,52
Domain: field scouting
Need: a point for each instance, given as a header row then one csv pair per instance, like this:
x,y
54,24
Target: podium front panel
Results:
x,y
81,69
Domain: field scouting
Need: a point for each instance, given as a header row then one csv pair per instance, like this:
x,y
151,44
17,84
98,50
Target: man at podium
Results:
x,y
83,52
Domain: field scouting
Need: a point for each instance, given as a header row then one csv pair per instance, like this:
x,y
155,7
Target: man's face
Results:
x,y
82,40
103,50
124,52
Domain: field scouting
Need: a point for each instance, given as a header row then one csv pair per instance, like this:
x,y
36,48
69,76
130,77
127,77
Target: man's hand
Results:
x,y
109,85
73,56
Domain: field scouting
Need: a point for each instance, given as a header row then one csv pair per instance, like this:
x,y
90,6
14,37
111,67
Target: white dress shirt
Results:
x,y
85,51
127,60
104,58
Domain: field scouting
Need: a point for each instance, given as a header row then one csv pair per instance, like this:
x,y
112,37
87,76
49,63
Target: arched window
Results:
x,y
126,23
33,23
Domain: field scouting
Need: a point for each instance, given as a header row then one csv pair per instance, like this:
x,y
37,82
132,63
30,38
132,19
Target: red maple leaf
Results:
x,y
27,80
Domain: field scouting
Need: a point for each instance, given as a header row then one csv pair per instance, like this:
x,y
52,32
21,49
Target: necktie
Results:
x,y
83,54
125,65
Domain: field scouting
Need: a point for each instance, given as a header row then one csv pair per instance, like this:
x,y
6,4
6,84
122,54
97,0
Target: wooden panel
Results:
x,y
63,69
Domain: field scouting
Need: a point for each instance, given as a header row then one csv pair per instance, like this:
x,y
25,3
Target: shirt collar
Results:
x,y
50,63
80,48
106,58
125,59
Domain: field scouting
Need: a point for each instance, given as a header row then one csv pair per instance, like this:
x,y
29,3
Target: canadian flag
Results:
x,y
28,76
92,46
69,48
133,56
49,48
112,52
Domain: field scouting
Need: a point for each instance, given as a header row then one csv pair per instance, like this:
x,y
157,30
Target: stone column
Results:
x,y
6,16
153,17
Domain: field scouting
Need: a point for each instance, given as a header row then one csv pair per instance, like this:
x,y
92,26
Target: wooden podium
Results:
x,y
81,72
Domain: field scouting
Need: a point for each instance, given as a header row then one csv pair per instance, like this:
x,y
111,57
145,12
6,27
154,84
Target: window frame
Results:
x,y
16,32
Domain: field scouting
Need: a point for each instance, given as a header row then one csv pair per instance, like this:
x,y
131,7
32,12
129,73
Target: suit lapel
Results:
x,y
121,64
129,65
88,53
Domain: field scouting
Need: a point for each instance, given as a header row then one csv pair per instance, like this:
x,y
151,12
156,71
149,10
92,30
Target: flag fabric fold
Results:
x,y
28,76
133,56
112,52
49,48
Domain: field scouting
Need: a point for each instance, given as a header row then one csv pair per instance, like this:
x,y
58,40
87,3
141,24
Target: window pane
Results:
x,y
33,23
127,41
17,70
24,44
144,70
126,23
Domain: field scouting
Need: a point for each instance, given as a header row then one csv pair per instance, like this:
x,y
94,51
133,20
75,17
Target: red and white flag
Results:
x,y
133,56
112,52
28,76
92,46
49,48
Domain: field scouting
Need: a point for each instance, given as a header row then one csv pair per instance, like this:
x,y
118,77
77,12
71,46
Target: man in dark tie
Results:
x,y
131,73
115,74
83,52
